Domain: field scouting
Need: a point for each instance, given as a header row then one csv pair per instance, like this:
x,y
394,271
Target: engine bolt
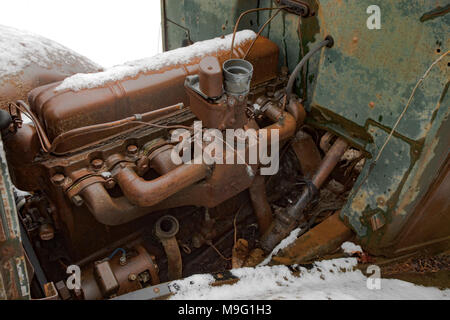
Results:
x,y
110,183
58,179
46,232
77,200
132,150
132,277
97,164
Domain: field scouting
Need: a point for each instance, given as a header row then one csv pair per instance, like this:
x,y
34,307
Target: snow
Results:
x,y
283,244
20,49
350,247
330,279
131,69
108,32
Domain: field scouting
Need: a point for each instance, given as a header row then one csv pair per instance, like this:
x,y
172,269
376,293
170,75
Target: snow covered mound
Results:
x,y
130,69
20,49
331,279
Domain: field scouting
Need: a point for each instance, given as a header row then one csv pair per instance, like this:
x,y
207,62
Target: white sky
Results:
x,y
108,32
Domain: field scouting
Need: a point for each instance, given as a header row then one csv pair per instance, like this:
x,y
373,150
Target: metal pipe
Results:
x,y
145,193
110,211
286,221
284,122
160,160
261,206
307,153
295,107
118,210
329,162
166,229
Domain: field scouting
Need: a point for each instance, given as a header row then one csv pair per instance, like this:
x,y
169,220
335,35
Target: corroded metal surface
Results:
x,y
367,79
13,272
324,238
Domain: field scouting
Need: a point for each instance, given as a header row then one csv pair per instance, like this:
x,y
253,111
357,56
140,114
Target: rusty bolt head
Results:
x,y
219,276
97,164
46,232
77,200
380,201
110,183
132,150
372,104
142,165
156,290
58,179
132,277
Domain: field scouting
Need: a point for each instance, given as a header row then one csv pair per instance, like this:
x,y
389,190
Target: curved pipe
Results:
x,y
145,193
166,229
116,211
284,122
328,42
110,211
261,206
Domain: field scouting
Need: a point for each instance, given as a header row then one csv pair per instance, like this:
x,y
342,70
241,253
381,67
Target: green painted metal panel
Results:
x,y
13,273
367,78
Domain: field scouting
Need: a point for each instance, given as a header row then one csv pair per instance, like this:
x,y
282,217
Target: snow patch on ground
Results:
x,y
20,49
350,247
330,279
283,244
131,69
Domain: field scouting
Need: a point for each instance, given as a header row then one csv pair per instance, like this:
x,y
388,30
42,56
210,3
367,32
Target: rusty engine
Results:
x,y
102,192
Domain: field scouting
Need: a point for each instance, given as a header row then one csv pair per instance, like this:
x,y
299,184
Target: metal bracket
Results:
x,y
297,7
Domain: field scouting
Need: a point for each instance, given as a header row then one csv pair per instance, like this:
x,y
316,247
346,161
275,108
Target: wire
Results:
x,y
48,147
391,133
239,20
43,139
327,42
217,250
261,30
115,252
407,105
163,126
188,32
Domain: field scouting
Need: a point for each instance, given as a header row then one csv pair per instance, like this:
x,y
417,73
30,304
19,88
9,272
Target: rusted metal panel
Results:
x,y
13,272
367,79
324,238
